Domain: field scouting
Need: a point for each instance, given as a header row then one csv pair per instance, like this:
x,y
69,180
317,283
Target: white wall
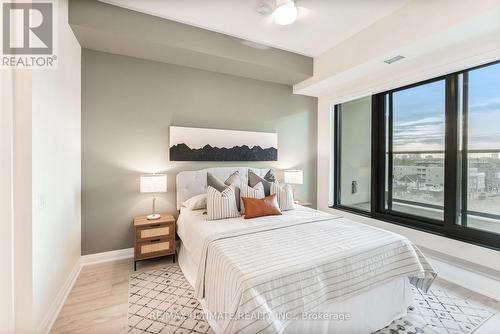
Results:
x,y
6,202
23,256
56,171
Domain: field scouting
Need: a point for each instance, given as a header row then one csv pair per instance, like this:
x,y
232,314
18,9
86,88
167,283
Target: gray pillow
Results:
x,y
233,179
269,178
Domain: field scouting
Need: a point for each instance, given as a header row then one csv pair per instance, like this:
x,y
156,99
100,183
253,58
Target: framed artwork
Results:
x,y
199,144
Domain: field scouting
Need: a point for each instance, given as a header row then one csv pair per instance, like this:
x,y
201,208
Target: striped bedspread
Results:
x,y
257,280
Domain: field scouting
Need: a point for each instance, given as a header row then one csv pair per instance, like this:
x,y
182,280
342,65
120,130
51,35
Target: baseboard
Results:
x,y
57,304
114,255
475,281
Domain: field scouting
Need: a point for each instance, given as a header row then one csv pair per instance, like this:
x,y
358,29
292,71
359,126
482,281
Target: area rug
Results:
x,y
439,311
162,301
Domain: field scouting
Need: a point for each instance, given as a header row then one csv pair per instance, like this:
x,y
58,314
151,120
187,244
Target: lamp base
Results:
x,y
153,216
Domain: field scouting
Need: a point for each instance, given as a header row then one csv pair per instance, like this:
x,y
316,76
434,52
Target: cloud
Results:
x,y
422,121
489,106
419,135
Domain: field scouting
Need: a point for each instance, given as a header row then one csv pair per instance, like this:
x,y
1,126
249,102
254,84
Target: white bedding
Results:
x,y
194,229
370,309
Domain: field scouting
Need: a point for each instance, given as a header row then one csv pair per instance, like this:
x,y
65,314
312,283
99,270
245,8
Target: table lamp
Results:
x,y
154,183
294,176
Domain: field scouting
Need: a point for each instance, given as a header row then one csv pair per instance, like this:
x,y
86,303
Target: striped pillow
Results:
x,y
249,192
284,192
221,205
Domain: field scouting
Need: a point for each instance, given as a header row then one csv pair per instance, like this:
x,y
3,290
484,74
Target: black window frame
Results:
x,y
455,163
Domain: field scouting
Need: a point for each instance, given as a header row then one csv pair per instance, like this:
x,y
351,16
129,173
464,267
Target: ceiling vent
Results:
x,y
394,59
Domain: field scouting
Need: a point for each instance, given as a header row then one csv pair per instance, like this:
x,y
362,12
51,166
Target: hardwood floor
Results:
x,y
98,302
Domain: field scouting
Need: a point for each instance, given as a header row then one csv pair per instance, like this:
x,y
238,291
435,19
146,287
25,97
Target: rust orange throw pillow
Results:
x,y
259,207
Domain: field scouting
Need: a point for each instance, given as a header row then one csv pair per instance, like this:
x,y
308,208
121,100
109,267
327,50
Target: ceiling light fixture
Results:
x,y
285,13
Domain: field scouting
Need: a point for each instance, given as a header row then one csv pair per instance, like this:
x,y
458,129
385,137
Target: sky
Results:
x,y
419,112
484,107
418,115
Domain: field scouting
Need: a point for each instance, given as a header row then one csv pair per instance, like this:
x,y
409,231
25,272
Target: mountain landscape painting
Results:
x,y
199,144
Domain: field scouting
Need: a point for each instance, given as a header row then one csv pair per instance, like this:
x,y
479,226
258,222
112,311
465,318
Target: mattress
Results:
x,y
367,311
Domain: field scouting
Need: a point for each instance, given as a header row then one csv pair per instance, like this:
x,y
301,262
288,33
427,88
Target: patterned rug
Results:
x,y
439,311
162,301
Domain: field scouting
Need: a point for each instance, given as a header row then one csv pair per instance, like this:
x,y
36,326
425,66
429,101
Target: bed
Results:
x,y
305,271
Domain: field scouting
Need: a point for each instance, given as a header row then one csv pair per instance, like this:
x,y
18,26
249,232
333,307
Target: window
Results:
x,y
415,138
354,169
481,149
425,156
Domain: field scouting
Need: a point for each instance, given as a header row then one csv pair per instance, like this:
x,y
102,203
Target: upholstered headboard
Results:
x,y
191,183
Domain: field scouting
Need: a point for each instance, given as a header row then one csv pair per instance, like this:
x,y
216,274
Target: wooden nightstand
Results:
x,y
154,238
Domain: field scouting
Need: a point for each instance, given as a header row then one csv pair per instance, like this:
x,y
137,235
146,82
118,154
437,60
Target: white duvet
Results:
x,y
377,258
194,229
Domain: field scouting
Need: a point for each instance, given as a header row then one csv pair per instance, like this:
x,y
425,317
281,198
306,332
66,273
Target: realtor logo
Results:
x,y
28,34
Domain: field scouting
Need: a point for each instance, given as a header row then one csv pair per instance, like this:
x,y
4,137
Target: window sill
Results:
x,y
422,227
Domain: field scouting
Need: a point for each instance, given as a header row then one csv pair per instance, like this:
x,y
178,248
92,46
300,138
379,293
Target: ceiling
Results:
x,y
321,24
103,27
464,36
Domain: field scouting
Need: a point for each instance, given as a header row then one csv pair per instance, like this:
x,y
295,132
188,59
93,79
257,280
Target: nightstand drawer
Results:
x,y
155,231
154,247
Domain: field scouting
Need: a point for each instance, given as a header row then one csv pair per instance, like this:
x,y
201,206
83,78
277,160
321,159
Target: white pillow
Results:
x,y
221,204
197,202
284,192
247,191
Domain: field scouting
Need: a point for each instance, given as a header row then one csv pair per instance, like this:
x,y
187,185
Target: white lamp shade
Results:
x,y
294,176
154,183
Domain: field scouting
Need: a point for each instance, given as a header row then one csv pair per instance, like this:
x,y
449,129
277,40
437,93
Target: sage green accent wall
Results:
x,y
128,105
